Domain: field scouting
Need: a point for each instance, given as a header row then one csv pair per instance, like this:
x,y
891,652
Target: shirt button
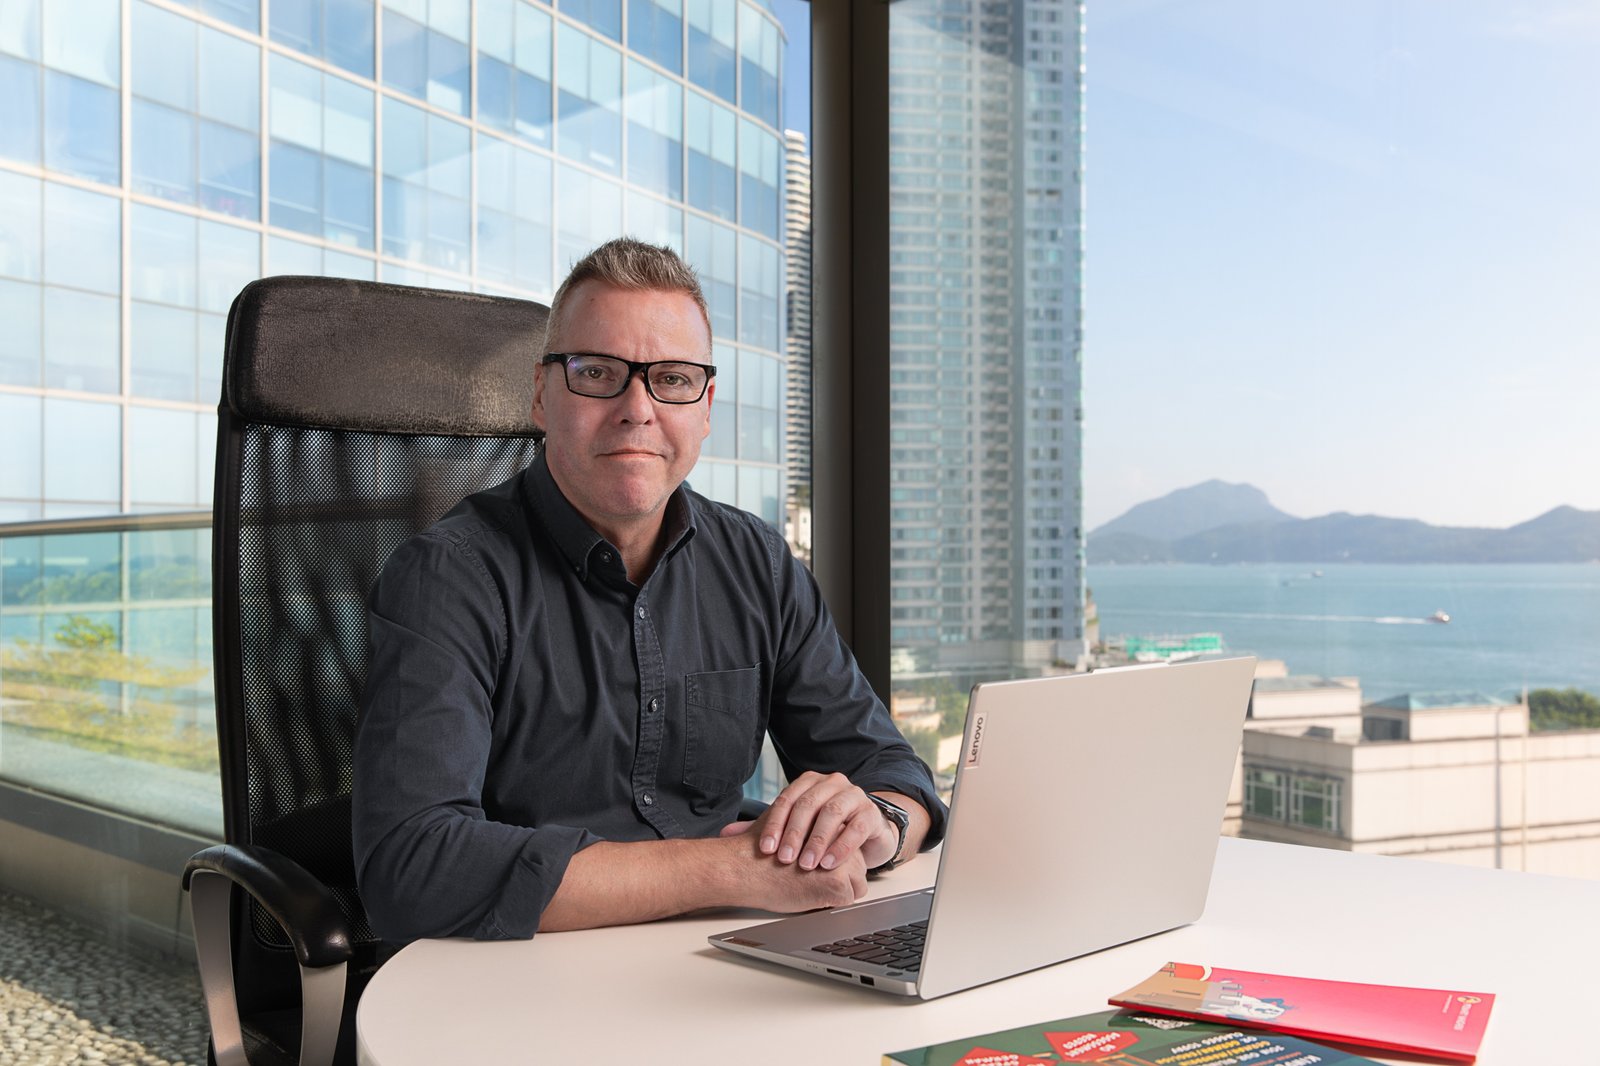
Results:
x,y
647,799
652,705
641,612
605,557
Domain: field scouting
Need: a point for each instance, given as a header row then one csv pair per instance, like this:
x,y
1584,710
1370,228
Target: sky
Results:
x,y
1347,251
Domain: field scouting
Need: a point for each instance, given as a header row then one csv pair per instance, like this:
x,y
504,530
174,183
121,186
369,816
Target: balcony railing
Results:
x,y
106,694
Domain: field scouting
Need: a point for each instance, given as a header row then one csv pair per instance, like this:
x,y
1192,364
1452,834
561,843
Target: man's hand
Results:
x,y
819,822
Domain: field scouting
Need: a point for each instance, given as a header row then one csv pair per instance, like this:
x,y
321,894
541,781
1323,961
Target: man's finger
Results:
x,y
733,829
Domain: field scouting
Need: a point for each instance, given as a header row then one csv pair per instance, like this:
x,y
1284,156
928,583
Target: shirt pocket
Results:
x,y
722,728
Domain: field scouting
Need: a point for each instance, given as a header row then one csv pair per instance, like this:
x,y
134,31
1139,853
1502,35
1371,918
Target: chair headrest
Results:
x,y
359,355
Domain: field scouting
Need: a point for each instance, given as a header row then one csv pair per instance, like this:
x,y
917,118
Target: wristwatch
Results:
x,y
901,820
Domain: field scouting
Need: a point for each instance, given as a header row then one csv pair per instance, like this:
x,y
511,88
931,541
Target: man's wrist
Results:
x,y
899,821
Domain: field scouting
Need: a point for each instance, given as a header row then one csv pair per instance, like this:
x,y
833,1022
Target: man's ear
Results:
x,y
711,392
537,412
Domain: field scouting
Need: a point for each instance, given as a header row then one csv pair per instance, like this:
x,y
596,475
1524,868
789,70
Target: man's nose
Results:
x,y
637,404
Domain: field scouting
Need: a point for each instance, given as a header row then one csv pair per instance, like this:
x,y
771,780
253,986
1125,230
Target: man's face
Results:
x,y
618,460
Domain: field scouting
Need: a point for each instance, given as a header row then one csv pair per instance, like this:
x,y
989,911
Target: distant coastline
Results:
x,y
1217,522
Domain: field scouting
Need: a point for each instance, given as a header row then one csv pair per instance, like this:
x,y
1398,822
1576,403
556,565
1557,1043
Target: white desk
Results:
x,y
659,993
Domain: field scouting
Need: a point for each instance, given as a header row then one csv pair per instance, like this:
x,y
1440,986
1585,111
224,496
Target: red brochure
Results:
x,y
1434,1022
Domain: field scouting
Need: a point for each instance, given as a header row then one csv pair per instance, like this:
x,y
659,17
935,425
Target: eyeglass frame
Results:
x,y
640,370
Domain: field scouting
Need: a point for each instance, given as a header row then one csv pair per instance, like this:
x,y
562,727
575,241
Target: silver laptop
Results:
x,y
1086,814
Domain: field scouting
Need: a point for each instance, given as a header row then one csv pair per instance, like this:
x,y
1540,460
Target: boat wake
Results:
x,y
1382,620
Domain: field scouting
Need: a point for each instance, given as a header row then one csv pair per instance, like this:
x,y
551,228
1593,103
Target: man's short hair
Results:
x,y
626,263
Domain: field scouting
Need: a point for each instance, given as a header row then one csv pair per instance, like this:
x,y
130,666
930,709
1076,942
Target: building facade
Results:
x,y
986,338
1452,777
156,155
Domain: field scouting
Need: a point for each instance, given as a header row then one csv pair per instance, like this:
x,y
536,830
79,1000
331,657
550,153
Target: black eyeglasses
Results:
x,y
605,376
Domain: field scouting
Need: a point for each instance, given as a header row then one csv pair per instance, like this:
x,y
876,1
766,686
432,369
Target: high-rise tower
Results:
x,y
985,337
797,339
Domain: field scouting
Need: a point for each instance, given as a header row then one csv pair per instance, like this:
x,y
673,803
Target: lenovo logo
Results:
x,y
976,747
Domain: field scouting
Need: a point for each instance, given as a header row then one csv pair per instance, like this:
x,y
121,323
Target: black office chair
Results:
x,y
353,414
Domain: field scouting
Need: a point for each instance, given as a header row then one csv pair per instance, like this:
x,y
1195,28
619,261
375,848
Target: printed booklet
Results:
x,y
1434,1022
1126,1038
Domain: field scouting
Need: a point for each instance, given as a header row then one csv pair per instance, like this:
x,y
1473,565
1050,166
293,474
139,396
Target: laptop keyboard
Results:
x,y
899,947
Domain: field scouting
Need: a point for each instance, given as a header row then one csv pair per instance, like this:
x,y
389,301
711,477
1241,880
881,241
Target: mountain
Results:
x,y
1195,510
1562,535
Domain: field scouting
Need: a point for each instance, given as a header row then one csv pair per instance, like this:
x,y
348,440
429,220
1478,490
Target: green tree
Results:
x,y
1571,708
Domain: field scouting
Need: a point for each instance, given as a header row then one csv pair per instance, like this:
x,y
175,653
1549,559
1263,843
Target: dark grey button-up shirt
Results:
x,y
525,699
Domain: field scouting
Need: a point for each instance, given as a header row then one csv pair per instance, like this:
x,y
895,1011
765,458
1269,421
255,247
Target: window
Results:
x,y
340,31
1264,793
712,137
760,162
712,36
589,108
426,187
514,210
654,107
759,52
604,16
1314,802
425,50
321,154
514,68
196,113
655,30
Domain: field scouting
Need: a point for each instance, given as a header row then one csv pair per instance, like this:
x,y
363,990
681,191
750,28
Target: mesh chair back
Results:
x,y
353,415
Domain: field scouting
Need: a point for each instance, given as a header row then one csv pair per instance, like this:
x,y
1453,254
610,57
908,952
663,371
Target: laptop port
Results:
x,y
840,973
868,981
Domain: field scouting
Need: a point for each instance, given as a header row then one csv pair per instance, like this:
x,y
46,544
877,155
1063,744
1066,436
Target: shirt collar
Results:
x,y
583,548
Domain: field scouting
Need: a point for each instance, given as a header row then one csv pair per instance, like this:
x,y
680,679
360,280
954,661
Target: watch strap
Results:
x,y
901,820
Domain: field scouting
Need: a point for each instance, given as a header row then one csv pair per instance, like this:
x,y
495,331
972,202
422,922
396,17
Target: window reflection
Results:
x,y
514,203
712,34
426,187
589,110
655,131
20,339
759,50
602,15
654,220
760,162
712,137
163,461
585,209
655,30
19,110
321,154
425,51
82,128
21,441
82,455
514,41
712,251
340,31
760,283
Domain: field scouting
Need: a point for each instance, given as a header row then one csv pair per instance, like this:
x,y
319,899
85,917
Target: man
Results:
x,y
571,673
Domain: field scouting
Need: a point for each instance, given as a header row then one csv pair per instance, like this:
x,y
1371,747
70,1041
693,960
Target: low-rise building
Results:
x,y
1455,777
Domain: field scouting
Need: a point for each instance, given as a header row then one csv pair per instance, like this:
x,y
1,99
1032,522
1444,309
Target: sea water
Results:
x,y
1511,627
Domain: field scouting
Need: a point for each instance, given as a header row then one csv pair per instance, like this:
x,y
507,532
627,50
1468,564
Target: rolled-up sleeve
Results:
x,y
825,716
429,863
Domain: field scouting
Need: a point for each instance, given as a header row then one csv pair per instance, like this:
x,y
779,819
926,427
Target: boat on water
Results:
x,y
1439,616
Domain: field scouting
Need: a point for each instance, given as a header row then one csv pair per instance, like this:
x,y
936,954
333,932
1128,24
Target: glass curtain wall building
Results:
x,y
986,563
156,155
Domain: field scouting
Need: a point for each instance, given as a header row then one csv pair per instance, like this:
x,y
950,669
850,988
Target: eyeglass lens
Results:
x,y
604,376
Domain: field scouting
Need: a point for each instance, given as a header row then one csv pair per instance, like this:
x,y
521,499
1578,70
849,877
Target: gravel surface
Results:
x,y
69,995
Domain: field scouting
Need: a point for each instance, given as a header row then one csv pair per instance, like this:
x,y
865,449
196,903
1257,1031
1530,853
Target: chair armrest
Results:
x,y
301,905
304,908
